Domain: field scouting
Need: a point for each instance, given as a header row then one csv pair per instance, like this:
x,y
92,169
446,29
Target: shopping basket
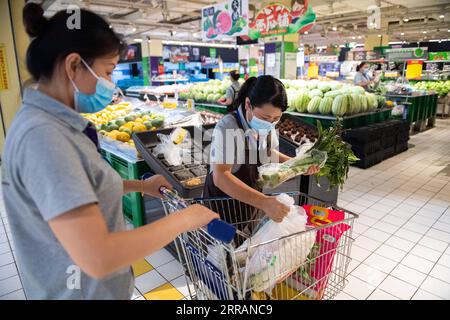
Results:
x,y
221,270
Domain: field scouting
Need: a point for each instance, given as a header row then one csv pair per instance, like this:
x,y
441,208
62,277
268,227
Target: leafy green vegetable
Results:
x,y
339,155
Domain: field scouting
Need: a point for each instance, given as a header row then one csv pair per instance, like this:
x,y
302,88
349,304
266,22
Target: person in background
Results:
x,y
362,77
62,199
232,91
259,106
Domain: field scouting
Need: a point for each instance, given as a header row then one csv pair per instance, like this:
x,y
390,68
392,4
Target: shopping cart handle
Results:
x,y
221,230
218,229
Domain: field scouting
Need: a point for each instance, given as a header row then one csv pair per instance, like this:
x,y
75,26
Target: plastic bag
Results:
x,y
271,175
172,146
272,262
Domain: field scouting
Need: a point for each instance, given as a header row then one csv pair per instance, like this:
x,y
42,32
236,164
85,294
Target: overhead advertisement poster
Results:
x,y
226,19
278,19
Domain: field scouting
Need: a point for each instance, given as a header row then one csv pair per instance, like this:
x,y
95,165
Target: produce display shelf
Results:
x,y
348,122
211,107
133,203
420,108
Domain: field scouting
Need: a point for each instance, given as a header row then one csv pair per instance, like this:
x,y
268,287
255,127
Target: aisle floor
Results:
x,y
402,236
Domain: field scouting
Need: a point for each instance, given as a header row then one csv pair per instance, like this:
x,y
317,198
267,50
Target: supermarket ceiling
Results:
x,y
337,21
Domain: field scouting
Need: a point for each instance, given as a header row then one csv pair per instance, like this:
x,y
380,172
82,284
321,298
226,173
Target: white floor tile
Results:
x,y
434,244
398,288
182,286
400,243
3,238
4,248
390,252
437,287
8,271
381,263
385,227
423,220
16,295
159,258
376,234
424,295
439,235
9,285
442,226
396,221
359,253
408,235
379,294
149,281
417,263
343,296
444,260
416,227
136,294
171,270
369,274
440,272
366,220
6,258
409,275
358,288
367,243
426,253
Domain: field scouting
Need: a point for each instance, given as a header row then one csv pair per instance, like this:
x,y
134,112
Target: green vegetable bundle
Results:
x,y
339,155
273,174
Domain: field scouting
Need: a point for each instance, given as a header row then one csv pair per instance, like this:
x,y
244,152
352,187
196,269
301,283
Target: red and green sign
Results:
x,y
442,55
278,19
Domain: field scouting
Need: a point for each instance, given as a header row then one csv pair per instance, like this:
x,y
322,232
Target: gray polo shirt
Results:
x,y
49,168
233,90
227,145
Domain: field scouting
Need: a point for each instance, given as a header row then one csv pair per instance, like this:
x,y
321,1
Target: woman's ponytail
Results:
x,y
244,92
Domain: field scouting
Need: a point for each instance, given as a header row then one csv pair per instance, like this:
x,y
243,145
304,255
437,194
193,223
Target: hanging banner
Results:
x,y
278,19
229,18
4,82
414,69
439,56
401,54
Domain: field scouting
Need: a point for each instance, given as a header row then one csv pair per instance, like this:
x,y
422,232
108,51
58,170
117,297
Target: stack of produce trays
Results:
x,y
330,98
209,92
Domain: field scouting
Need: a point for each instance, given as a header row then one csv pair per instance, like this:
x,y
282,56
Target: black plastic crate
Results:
x,y
146,141
401,147
370,160
389,141
363,149
402,136
389,152
363,134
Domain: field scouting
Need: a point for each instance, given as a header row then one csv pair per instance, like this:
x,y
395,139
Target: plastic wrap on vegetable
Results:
x,y
272,175
172,146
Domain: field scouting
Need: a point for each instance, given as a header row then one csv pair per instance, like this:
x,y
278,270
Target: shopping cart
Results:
x,y
224,270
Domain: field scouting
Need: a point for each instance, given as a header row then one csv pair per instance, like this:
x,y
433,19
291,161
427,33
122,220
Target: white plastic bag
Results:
x,y
172,152
271,262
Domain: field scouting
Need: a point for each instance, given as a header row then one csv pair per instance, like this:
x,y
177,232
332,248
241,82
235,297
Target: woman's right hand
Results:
x,y
274,209
197,216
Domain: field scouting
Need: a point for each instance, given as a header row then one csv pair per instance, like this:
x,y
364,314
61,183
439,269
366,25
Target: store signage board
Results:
x,y
225,19
270,60
176,54
279,19
437,56
213,53
403,54
4,81
290,65
300,59
414,69
313,70
323,58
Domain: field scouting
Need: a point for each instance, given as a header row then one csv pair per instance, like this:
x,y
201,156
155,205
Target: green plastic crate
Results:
x,y
133,203
211,107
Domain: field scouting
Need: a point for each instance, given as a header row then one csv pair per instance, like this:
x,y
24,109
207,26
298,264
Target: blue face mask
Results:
x,y
92,103
261,125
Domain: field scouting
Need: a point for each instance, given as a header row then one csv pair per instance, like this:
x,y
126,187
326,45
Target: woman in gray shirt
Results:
x,y
63,201
232,91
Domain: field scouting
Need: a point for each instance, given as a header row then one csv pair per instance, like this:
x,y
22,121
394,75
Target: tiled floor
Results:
x,y
402,237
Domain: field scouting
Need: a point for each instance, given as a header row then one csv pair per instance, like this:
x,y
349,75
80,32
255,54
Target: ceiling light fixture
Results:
x,y
424,32
359,37
402,34
137,40
405,19
442,16
334,28
379,36
133,29
306,32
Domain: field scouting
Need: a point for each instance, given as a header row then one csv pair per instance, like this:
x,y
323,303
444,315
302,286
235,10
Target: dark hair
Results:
x,y
359,66
261,90
234,75
54,39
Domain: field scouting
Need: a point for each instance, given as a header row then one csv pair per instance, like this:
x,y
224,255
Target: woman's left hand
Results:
x,y
312,170
152,185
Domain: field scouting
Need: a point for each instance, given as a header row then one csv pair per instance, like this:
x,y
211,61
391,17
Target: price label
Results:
x,y
414,69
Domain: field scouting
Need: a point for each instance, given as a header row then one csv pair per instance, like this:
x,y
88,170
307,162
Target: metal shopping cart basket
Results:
x,y
303,268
